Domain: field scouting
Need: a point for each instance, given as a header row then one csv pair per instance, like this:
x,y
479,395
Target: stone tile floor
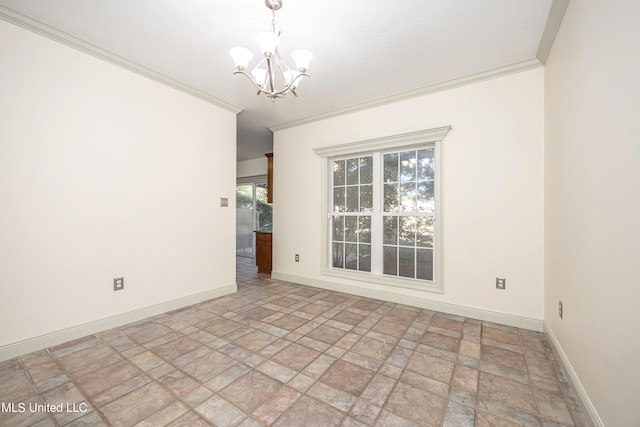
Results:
x,y
281,354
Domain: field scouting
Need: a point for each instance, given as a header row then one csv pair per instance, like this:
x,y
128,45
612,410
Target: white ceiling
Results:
x,y
365,50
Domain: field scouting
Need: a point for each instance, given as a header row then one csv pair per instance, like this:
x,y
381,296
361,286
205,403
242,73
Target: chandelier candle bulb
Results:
x,y
268,42
302,58
241,56
275,78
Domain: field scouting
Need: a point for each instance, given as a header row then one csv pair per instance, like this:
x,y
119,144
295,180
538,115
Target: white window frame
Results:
x,y
390,143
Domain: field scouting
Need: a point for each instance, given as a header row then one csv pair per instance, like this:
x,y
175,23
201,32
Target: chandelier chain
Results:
x,y
273,20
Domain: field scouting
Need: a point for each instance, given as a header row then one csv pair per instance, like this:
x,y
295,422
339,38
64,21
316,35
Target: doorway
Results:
x,y
253,213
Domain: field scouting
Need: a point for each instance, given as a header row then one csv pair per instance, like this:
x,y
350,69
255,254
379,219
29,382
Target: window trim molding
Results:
x,y
405,140
401,141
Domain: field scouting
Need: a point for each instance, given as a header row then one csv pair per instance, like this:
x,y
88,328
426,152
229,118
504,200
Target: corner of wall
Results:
x,y
566,364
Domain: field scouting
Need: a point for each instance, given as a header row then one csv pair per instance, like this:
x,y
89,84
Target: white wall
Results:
x,y
592,202
493,191
104,173
253,167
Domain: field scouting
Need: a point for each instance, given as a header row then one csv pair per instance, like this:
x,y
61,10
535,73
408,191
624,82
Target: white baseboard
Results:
x,y
595,418
58,337
459,310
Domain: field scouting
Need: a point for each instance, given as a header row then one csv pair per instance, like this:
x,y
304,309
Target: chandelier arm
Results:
x,y
247,75
273,93
298,77
289,87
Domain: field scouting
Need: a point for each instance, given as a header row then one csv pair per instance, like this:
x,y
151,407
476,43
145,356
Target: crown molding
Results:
x,y
556,13
469,79
67,39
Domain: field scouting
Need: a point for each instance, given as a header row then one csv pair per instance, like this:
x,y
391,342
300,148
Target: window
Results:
x,y
383,210
408,213
352,208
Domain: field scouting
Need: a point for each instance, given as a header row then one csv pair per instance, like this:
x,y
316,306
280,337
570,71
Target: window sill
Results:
x,y
398,282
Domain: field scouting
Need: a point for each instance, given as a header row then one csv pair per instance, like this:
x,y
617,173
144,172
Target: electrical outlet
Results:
x,y
297,257
118,283
560,309
501,283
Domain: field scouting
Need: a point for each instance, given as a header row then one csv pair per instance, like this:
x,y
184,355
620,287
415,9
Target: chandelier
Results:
x,y
272,76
